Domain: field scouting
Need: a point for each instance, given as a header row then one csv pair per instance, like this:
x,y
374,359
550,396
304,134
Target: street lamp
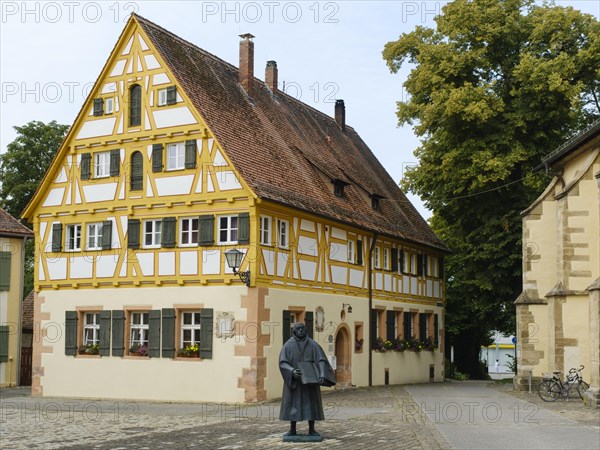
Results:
x,y
349,307
234,260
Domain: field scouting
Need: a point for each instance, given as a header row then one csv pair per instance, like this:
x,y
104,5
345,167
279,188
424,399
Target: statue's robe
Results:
x,y
303,401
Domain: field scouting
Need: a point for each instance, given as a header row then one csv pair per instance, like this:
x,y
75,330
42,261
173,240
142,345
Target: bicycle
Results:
x,y
551,388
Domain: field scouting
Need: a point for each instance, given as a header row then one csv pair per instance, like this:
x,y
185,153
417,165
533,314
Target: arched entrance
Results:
x,y
343,356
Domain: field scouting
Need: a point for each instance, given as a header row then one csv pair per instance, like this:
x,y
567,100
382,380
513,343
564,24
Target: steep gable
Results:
x,y
277,144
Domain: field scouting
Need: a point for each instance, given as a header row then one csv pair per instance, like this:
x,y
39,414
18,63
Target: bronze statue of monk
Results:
x,y
304,368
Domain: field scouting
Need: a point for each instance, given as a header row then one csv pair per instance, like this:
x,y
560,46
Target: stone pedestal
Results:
x,y
303,438
592,397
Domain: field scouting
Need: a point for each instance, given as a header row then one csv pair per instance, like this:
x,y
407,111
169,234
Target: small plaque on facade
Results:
x,y
225,325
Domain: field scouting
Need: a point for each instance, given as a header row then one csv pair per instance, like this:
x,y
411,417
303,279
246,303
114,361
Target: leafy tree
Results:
x,y
496,86
22,168
25,162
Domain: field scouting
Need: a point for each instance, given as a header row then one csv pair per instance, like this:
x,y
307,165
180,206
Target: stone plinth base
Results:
x,y
522,383
592,398
303,438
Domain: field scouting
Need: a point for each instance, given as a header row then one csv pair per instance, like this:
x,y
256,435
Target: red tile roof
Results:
x,y
27,312
284,148
9,226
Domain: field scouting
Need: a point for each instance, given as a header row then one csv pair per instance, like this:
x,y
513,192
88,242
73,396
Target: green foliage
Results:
x,y
22,168
25,162
511,363
498,85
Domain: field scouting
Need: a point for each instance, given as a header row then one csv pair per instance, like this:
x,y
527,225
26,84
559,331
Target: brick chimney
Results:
x,y
271,75
340,114
247,62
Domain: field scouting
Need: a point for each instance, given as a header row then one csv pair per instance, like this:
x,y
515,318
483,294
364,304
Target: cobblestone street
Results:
x,y
384,417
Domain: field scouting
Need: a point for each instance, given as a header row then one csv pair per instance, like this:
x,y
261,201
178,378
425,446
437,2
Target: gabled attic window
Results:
x,y
375,204
167,96
338,188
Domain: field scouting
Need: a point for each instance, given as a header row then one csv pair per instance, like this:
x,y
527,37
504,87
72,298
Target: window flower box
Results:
x,y
89,349
189,351
138,350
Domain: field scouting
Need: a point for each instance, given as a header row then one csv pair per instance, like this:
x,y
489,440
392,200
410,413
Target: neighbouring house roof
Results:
x,y
27,312
571,145
9,226
284,148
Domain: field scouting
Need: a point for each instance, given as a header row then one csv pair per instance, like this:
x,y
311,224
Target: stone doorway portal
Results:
x,y
343,356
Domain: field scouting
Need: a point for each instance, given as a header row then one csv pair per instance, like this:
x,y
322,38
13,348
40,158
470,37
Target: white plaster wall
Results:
x,y
143,378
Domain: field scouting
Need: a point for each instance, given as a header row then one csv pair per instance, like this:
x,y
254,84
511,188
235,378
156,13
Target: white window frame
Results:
x,y
265,230
351,252
386,258
138,330
109,105
188,235
377,258
176,156
73,238
94,230
93,327
413,264
102,165
230,228
283,233
161,96
193,327
155,233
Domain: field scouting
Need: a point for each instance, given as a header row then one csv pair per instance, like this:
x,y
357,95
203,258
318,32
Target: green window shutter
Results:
x,y
98,106
133,233
442,267
168,332
4,343
243,228
206,333
167,233
85,169
104,346
359,253
373,330
157,158
115,162
154,333
394,260
190,154
407,325
419,264
287,326
70,333
5,258
402,267
57,237
137,172
171,95
422,326
118,332
308,323
207,230
390,325
106,235
135,105
436,328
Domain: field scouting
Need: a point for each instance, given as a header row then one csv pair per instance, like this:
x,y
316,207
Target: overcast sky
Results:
x,y
52,52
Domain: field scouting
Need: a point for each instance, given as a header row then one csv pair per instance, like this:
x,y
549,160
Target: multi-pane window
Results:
x,y
102,165
351,252
190,328
228,229
386,259
188,234
265,230
73,238
137,171
108,105
283,233
94,236
175,156
162,97
91,328
152,233
377,258
413,263
138,329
